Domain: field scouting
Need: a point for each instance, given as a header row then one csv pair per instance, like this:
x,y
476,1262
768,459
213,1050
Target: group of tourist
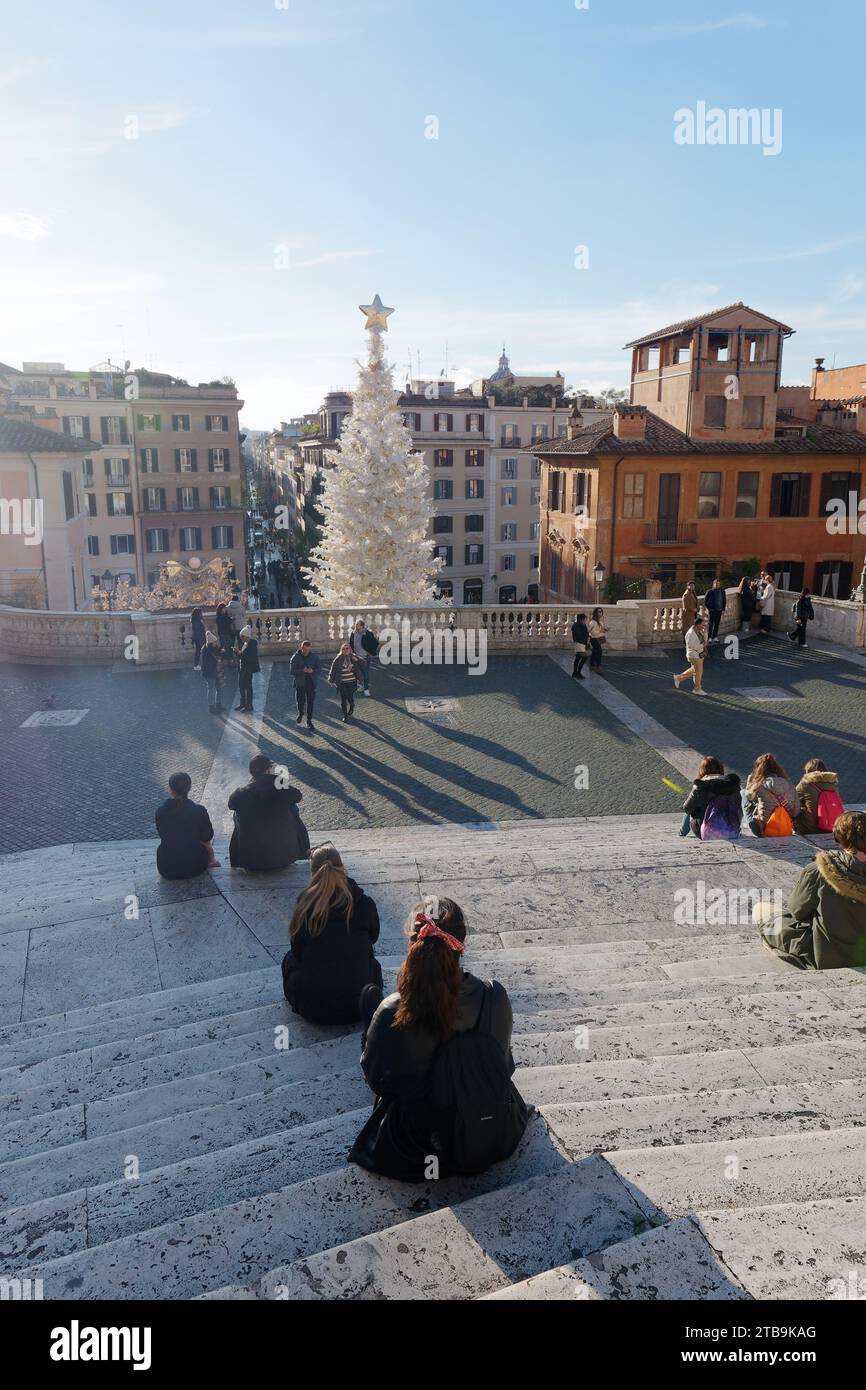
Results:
x,y
823,926
349,670
437,1052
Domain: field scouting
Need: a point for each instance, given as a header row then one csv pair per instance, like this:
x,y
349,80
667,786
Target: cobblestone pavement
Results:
x,y
826,718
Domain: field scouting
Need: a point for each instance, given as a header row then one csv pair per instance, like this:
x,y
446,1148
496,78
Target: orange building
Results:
x,y
711,465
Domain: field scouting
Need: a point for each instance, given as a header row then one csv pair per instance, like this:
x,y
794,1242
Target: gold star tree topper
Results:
x,y
377,314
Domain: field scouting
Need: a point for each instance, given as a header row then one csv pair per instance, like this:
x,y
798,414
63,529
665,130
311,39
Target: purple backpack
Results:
x,y
722,818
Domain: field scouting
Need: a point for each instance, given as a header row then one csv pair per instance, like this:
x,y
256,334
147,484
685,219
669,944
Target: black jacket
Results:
x,y
249,658
269,832
323,975
715,600
705,790
747,602
580,633
183,826
396,1061
210,661
803,612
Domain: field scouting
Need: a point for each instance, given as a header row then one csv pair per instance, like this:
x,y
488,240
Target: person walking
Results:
x,y
269,833
580,638
333,930
824,925
715,601
345,675
248,664
695,652
771,802
767,603
747,602
803,613
185,833
597,639
197,633
437,1057
305,667
690,605
365,647
213,672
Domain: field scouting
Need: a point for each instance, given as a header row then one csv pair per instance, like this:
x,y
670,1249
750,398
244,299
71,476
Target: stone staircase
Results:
x,y
700,1106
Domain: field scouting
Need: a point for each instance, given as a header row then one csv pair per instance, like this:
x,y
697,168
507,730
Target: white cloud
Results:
x,y
740,23
821,248
23,226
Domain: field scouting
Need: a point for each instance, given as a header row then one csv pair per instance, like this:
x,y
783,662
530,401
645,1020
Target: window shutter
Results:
x,y
436,423
230,536
114,545
91,502
128,496
588,493
124,432
207,422
775,494
65,420
226,424
162,498
158,422
450,423
193,458
226,460
179,498
210,460
139,421
228,496
177,460
131,545
87,427
103,427
805,489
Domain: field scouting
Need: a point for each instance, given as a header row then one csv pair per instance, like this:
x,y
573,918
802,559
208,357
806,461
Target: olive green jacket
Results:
x,y
824,924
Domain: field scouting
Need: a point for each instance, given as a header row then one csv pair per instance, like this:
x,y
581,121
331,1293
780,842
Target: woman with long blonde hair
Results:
x,y
330,959
771,803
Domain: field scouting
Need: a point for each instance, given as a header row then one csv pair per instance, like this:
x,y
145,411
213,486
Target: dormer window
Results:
x,y
719,347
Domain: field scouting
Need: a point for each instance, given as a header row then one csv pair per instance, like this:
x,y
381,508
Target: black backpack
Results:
x,y
479,1115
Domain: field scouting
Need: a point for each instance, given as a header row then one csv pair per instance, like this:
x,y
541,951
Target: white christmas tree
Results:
x,y
375,547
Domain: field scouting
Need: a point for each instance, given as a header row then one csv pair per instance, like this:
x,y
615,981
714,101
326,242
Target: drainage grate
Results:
x,y
54,718
435,709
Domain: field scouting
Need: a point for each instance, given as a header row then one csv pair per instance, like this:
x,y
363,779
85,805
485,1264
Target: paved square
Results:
x,y
764,692
54,718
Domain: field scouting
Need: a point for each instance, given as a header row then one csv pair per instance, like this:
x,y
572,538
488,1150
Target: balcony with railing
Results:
x,y
509,441
117,480
670,533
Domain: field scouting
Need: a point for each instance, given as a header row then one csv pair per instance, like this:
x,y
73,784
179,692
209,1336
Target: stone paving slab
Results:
x,y
799,1251
103,959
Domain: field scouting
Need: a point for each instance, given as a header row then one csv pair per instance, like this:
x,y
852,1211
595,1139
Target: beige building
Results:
x,y
163,479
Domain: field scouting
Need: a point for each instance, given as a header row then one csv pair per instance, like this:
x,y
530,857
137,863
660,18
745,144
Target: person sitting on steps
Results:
x,y
711,782
817,811
332,933
770,800
269,833
185,833
437,1056
824,925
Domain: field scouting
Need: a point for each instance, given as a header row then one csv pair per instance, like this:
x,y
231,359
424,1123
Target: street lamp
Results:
x,y
109,584
598,575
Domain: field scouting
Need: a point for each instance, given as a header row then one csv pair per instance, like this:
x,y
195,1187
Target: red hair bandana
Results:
x,y
428,928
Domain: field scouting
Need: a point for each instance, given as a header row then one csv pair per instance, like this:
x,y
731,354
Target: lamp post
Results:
x,y
109,584
598,575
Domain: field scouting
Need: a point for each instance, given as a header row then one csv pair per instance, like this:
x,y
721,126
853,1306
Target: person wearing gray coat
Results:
x,y
305,668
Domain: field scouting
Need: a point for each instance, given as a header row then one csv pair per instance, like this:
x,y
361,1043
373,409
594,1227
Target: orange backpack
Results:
x,y
779,822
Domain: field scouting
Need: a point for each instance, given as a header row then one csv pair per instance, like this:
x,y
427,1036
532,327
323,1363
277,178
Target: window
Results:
x,y
681,352
152,578
442,423
534,530
508,562
149,460
116,472
718,347
755,347
709,492
68,495
474,423
473,521
753,412
508,531
474,458
533,560
833,579
556,491
412,420
93,545
648,358
442,525
474,554
747,494
445,553
540,433
836,487
443,458
221,537
582,493
443,490
185,461
190,538
474,489
180,424
87,472
473,591
153,499
113,430
634,485
220,498
554,570
535,469
789,494
509,435
219,423
509,468
120,504
218,460
714,412
151,423
445,588
187,499
156,541
123,545
535,496
508,496
76,425
91,504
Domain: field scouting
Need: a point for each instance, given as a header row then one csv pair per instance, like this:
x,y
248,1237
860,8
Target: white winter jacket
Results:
x,y
768,601
694,643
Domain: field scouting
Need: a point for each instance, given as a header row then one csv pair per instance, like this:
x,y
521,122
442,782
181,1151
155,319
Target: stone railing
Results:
x,y
165,639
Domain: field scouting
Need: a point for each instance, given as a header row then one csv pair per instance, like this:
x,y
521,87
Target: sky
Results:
x,y
212,189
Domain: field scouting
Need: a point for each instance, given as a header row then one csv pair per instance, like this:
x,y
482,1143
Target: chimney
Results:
x,y
491,401
629,422
575,422
819,364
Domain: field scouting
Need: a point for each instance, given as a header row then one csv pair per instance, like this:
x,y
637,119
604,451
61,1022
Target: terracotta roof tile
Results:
x,y
686,324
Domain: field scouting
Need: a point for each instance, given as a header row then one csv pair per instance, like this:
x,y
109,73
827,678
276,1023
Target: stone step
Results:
x,y
472,1248
800,1250
585,995
242,1241
777,1001
749,1172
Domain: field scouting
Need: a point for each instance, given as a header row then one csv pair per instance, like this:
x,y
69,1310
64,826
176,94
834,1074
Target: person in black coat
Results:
x,y
804,614
333,930
580,638
248,664
711,781
185,832
269,833
197,630
715,602
436,1000
748,599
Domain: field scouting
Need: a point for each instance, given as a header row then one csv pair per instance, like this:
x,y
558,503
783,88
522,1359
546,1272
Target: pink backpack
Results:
x,y
830,808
